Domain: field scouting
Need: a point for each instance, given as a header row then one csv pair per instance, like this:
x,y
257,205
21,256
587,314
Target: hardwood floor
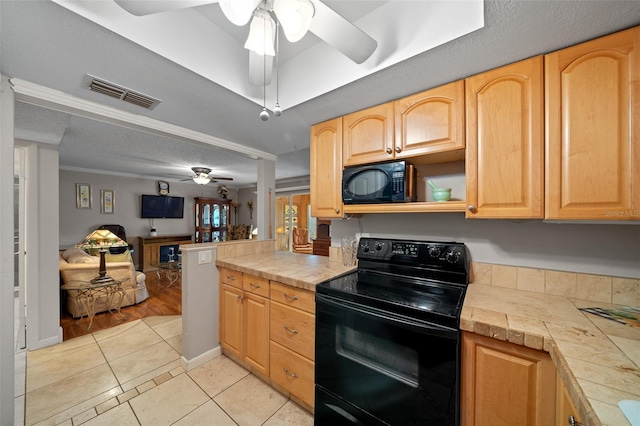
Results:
x,y
161,301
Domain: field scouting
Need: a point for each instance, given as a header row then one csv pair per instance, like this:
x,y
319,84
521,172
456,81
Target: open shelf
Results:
x,y
417,207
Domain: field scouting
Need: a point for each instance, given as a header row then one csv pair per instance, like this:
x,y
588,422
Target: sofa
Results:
x,y
77,265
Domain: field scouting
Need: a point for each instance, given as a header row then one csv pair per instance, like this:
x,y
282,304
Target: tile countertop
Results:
x,y
598,359
295,269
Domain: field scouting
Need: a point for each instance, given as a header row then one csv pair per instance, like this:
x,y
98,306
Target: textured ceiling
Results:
x,y
46,44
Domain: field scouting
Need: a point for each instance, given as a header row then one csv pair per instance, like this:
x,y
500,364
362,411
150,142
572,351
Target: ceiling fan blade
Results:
x,y
341,34
220,178
257,63
149,7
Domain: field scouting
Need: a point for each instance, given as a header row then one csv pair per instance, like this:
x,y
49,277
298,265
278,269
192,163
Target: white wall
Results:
x,y
75,223
594,249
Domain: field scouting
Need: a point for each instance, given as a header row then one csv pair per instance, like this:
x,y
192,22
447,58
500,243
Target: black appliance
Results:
x,y
388,337
379,183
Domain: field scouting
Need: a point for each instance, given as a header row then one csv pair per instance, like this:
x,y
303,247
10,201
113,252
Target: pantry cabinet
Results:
x,y
244,318
505,384
592,93
505,142
326,169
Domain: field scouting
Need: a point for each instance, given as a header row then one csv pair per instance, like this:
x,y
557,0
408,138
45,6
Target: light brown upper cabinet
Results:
x,y
593,131
431,122
368,135
326,169
505,146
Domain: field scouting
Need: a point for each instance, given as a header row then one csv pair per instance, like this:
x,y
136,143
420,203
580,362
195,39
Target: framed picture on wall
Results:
x,y
107,201
83,196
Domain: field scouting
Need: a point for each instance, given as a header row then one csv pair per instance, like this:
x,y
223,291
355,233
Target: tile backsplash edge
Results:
x,y
598,288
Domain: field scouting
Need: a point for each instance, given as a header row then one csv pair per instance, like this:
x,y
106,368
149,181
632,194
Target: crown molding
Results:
x,y
49,98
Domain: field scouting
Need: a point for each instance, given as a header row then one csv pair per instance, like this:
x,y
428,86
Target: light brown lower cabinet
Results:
x,y
506,384
565,410
269,327
244,320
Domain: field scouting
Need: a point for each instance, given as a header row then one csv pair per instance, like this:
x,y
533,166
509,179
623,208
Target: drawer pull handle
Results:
x,y
294,375
254,285
293,331
294,297
239,297
230,278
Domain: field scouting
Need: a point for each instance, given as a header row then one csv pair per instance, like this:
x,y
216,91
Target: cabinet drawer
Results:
x,y
255,285
294,297
231,277
294,329
292,372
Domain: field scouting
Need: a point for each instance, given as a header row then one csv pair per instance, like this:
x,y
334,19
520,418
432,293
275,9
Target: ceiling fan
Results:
x,y
296,17
202,176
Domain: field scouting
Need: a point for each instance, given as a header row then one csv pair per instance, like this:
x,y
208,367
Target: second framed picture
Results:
x,y
107,201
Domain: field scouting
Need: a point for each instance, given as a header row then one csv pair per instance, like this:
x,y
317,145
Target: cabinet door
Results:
x,y
231,327
430,122
256,333
564,406
593,135
505,148
505,384
326,169
368,135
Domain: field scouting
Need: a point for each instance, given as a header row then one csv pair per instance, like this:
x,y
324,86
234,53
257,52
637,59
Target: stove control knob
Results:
x,y
378,246
434,251
452,256
365,249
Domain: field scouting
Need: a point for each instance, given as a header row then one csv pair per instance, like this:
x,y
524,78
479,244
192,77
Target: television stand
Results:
x,y
150,248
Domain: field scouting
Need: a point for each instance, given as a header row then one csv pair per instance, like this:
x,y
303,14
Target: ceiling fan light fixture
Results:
x,y
294,16
261,33
201,179
238,11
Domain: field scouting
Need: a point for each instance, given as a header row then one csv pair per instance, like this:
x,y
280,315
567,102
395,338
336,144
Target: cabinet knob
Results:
x,y
389,150
254,285
398,149
230,278
239,297
337,210
573,422
472,208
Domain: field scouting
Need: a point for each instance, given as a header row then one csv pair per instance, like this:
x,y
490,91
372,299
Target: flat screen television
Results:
x,y
161,207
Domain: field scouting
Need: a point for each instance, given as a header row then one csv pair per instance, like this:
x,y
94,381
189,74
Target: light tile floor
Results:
x,y
131,375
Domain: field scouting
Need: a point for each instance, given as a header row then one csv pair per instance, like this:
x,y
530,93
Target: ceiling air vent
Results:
x,y
120,92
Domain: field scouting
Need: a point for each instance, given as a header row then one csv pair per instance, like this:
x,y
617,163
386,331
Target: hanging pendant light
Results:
x,y
277,111
264,115
238,11
295,17
261,33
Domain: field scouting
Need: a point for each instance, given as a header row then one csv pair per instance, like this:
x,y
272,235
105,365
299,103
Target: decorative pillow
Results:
x,y
75,255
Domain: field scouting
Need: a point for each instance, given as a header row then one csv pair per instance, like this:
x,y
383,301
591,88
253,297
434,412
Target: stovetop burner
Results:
x,y
420,279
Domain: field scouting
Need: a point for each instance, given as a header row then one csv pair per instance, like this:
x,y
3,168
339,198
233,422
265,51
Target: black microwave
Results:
x,y
379,183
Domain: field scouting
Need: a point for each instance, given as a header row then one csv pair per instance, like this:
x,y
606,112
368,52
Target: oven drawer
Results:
x,y
293,296
294,329
256,285
231,277
292,372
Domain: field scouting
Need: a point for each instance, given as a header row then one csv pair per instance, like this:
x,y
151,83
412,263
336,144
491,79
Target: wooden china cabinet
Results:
x,y
212,218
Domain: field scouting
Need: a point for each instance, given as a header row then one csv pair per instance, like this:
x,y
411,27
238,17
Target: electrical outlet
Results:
x,y
204,257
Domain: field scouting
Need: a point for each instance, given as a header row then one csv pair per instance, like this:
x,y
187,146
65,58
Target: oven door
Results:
x,y
375,367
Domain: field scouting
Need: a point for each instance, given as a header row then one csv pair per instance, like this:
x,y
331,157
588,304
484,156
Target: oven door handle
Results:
x,y
367,311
